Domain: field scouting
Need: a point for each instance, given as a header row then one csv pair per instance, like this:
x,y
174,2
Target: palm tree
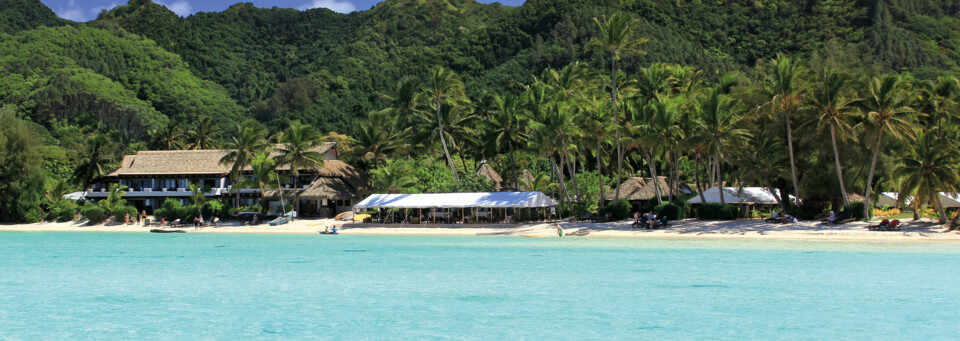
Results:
x,y
762,161
205,134
540,183
928,168
505,128
197,196
887,105
251,139
263,173
393,177
596,124
833,106
444,87
114,197
938,97
403,106
166,137
298,149
617,38
456,127
98,160
377,138
663,125
718,120
781,85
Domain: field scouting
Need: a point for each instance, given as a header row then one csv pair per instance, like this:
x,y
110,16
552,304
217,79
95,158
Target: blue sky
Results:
x,y
85,10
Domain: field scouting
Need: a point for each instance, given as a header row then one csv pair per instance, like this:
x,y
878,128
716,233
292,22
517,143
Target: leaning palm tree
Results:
x,y
204,135
617,38
393,177
887,107
833,105
928,168
97,161
781,86
251,139
444,87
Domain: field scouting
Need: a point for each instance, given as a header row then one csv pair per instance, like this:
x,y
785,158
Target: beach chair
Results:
x,y
843,218
893,226
880,226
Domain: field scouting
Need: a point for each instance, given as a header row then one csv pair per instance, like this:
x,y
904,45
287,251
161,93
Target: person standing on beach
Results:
x,y
126,219
559,229
143,216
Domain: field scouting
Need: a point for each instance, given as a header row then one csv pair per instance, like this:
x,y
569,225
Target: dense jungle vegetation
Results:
x,y
802,95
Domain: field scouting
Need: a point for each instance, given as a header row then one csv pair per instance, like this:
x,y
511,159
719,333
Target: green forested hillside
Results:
x,y
141,77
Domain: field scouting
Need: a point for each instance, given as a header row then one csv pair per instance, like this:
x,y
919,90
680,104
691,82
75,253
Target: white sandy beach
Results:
x,y
922,230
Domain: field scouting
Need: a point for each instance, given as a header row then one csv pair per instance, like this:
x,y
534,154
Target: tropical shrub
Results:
x,y
64,211
676,210
717,212
618,209
95,214
806,211
856,207
886,211
171,210
120,213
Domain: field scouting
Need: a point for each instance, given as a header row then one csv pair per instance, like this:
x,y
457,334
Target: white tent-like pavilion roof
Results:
x,y
738,195
458,200
890,199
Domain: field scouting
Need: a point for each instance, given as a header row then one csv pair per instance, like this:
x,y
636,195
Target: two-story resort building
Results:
x,y
154,176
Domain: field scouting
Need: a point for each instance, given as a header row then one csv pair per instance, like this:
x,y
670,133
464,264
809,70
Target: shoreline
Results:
x,y
913,231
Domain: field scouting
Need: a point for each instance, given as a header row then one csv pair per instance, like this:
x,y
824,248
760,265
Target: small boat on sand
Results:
x,y
166,231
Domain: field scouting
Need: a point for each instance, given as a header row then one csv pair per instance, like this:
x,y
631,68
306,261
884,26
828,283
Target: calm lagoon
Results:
x,y
229,286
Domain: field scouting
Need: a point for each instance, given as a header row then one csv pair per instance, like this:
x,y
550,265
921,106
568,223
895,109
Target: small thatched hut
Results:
x,y
638,190
487,172
525,176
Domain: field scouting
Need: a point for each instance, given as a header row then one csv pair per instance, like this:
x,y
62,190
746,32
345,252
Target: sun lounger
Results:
x,y
880,226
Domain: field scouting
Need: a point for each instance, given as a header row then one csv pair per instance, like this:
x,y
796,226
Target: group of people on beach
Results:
x,y
647,220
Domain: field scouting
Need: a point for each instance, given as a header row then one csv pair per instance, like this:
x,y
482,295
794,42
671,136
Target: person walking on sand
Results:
x,y
559,229
143,217
126,219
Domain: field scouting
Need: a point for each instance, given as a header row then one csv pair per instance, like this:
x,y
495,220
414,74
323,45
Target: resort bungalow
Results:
x,y
154,176
637,190
948,200
491,207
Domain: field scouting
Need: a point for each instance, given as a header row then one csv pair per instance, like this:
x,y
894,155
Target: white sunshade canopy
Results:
x,y
458,200
890,199
737,195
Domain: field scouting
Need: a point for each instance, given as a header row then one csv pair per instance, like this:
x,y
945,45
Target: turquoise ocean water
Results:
x,y
195,286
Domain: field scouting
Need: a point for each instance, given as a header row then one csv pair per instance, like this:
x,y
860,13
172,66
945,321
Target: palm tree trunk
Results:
x,y
836,159
955,223
600,170
793,165
556,172
873,167
779,198
443,141
573,171
940,211
703,200
513,165
463,161
653,176
719,178
616,123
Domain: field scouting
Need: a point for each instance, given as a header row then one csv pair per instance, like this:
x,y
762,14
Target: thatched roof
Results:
x,y
637,188
202,162
321,188
525,176
486,171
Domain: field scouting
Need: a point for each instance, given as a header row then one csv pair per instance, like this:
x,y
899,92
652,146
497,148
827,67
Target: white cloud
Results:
x,y
334,5
72,12
181,8
96,10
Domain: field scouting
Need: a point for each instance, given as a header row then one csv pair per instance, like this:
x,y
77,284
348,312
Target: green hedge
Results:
x,y
94,213
62,212
618,209
673,211
806,211
717,212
